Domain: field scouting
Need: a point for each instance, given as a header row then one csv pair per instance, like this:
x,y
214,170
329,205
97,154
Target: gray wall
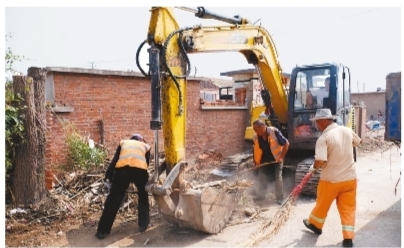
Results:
x,y
373,102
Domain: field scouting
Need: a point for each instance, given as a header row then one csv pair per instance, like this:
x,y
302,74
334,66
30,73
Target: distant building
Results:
x,y
210,89
374,102
245,77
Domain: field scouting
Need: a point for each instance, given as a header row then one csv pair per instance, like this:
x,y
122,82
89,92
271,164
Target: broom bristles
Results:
x,y
280,217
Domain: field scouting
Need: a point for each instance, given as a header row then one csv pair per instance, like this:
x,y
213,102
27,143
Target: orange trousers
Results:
x,y
345,195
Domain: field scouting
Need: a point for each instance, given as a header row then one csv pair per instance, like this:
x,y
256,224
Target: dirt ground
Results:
x,y
78,229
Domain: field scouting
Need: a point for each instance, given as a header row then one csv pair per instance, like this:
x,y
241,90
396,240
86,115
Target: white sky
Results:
x,y
366,39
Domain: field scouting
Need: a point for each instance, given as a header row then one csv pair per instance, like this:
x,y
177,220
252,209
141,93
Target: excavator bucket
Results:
x,y
206,209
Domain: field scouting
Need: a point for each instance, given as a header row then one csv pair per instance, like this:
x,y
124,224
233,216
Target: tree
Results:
x,y
28,181
27,130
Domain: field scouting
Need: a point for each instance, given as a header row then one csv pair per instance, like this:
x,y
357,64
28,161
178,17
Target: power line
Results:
x,y
321,22
114,61
94,63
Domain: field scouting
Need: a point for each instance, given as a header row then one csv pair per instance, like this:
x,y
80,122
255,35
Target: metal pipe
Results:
x,y
203,13
189,9
156,156
343,95
154,64
155,123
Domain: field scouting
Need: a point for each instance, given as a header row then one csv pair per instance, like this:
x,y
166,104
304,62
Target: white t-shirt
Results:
x,y
335,145
320,94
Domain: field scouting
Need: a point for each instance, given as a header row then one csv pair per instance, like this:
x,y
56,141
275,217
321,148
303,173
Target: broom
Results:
x,y
272,226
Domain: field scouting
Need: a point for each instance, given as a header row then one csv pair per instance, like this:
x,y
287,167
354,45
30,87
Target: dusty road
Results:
x,y
378,219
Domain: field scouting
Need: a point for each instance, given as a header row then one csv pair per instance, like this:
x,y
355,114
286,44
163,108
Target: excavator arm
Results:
x,y
205,210
255,43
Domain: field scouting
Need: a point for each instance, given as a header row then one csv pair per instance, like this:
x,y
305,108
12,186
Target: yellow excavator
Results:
x,y
207,209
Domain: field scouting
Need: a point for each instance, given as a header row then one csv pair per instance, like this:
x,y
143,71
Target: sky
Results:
x,y
366,39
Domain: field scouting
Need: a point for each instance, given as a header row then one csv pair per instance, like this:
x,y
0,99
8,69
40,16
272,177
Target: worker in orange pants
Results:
x,y
334,155
345,195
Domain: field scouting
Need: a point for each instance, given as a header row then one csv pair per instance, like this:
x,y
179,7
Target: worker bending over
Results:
x,y
270,148
129,165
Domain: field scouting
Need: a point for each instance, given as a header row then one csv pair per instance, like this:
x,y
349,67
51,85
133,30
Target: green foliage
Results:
x,y
79,153
14,125
10,59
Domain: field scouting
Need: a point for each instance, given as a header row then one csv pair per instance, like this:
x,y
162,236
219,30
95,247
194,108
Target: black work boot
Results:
x,y
142,228
312,227
347,243
100,235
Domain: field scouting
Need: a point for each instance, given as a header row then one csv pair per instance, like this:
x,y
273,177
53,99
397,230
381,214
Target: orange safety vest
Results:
x,y
276,149
133,154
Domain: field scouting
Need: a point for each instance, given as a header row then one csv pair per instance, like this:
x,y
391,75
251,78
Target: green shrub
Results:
x,y
79,153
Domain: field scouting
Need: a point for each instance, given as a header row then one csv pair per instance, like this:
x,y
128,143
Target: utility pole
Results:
x,y
357,84
363,87
92,64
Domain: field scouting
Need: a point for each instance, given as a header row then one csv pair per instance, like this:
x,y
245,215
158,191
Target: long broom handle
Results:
x,y
256,167
296,190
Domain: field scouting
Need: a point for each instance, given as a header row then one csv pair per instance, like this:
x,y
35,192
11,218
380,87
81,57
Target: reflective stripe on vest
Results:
x,y
133,154
276,149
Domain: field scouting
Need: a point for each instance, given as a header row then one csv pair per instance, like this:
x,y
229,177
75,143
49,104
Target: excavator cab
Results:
x,y
313,87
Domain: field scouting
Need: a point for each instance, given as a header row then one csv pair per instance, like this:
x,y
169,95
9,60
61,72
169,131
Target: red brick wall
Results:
x,y
221,130
123,102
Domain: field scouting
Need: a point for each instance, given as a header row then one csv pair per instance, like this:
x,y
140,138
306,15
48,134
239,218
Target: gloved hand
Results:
x,y
107,187
312,169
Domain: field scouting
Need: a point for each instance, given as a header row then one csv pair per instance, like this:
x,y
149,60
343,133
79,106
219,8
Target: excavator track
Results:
x,y
310,188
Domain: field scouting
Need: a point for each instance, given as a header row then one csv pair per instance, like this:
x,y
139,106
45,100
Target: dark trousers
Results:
x,y
120,183
266,174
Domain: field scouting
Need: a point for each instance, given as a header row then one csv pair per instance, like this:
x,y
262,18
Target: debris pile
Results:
x,y
370,144
238,162
210,166
225,186
208,159
76,199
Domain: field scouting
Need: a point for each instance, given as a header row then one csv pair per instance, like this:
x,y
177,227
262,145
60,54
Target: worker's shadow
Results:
x,y
127,235
382,230
308,239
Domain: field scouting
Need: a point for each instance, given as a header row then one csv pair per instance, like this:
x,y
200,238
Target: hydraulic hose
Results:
x,y
183,52
137,59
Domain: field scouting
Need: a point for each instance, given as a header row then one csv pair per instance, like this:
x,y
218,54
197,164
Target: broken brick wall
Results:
x,y
221,130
